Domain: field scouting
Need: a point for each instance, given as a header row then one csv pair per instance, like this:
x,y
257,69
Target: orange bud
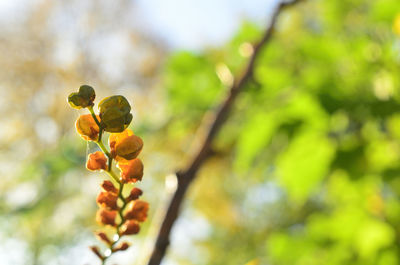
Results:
x,y
125,145
104,237
109,186
106,217
131,170
107,200
96,251
137,211
134,195
130,227
87,127
121,247
96,161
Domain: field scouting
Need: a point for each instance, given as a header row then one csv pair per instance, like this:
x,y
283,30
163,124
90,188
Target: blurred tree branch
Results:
x,y
213,124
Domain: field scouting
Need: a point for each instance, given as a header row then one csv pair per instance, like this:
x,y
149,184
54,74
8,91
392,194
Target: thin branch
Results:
x,y
186,176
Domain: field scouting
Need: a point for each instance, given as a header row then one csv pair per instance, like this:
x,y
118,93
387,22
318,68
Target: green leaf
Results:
x,y
255,136
304,164
373,236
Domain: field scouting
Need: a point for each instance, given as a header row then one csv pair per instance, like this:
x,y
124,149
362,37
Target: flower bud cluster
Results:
x,y
123,213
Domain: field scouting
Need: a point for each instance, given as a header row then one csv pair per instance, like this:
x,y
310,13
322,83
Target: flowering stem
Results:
x,y
112,174
121,186
120,212
111,201
94,116
104,149
109,168
100,135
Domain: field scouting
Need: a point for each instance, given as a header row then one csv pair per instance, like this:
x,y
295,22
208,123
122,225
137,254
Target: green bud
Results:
x,y
115,114
83,98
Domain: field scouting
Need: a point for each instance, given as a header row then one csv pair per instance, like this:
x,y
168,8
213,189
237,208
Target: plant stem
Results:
x,y
90,108
104,149
109,168
112,174
120,212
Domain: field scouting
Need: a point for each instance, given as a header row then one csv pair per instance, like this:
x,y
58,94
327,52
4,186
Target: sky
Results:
x,y
194,24
182,24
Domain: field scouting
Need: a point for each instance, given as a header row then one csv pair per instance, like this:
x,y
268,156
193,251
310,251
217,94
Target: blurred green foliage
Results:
x,y
319,124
